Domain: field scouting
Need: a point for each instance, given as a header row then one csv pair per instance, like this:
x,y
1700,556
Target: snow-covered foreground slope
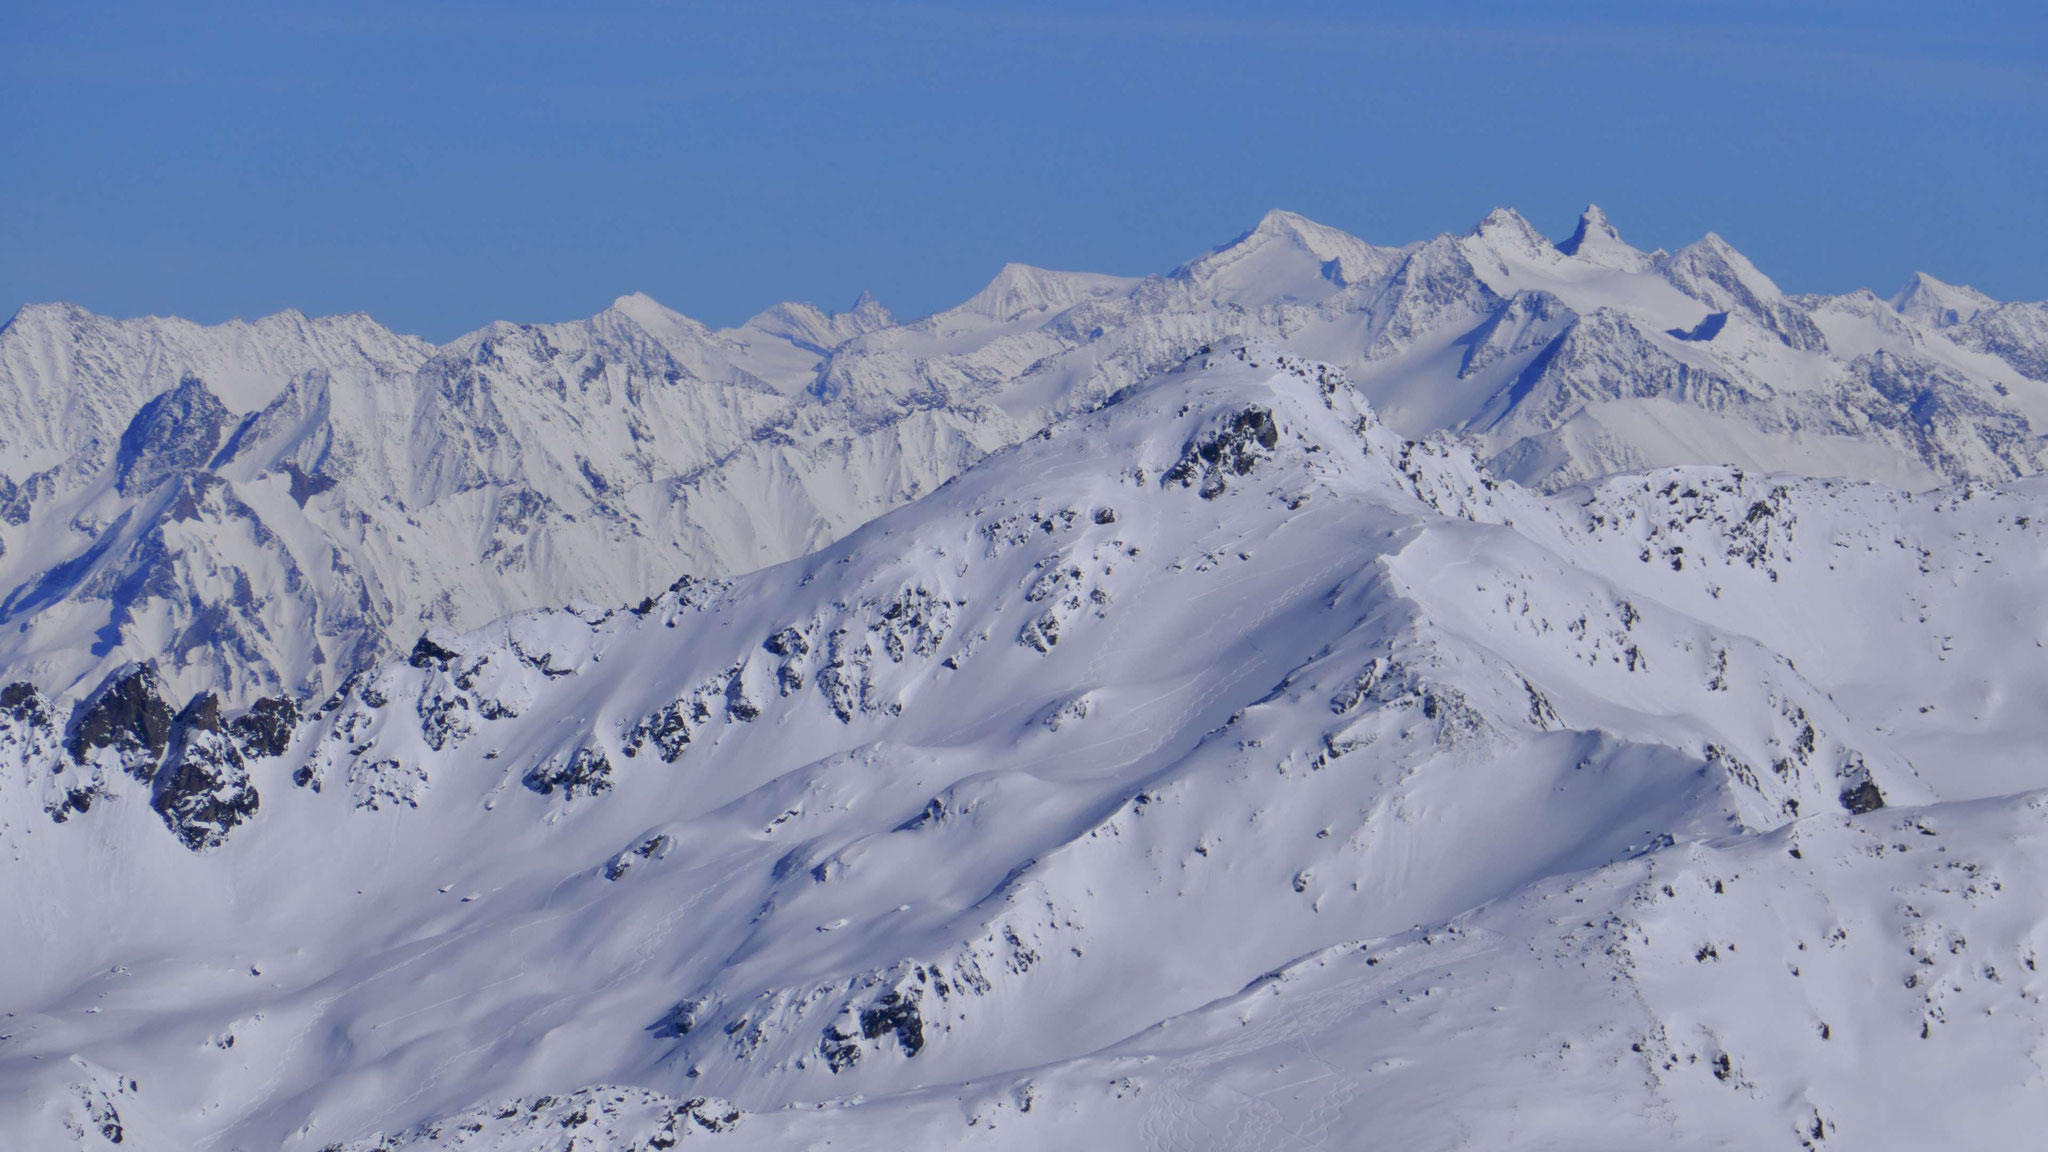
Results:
x,y
1215,769
267,508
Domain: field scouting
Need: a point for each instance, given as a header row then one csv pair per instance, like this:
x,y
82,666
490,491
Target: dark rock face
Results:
x,y
588,772
1863,798
21,703
175,432
680,1020
28,730
792,647
126,713
652,848
426,652
708,1113
894,1013
668,730
1232,450
203,791
304,487
266,728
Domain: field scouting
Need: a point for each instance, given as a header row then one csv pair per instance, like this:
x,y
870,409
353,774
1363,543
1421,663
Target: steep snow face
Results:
x,y
258,542
266,508
2014,333
1219,745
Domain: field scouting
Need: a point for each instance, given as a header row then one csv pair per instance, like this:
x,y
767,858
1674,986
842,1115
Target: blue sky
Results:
x,y
439,165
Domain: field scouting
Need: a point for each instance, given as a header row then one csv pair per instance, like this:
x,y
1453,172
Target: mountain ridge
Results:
x,y
647,442
1335,735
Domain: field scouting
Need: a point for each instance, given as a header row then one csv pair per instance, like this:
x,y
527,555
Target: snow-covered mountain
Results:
x,y
1215,768
265,508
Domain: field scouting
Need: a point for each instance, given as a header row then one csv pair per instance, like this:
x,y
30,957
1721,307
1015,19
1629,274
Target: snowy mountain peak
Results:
x,y
1286,254
1350,748
653,317
1712,261
815,330
1509,233
1294,228
868,313
1597,241
1941,304
1021,290
305,494
640,305
1712,272
49,312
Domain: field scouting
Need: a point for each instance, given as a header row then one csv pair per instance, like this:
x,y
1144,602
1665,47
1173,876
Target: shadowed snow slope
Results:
x,y
1214,769
266,508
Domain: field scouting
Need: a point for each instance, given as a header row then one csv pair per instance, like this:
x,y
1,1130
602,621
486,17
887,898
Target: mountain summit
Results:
x,y
364,487
1217,761
1597,241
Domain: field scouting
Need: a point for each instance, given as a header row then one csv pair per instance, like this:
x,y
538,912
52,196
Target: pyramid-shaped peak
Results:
x,y
1507,231
1939,302
1274,248
52,314
641,307
1292,227
1021,289
654,318
1711,271
1594,228
868,313
1281,222
1711,251
1504,223
1597,241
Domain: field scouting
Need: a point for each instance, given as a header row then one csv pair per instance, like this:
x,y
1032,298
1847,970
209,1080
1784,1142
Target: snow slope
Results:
x,y
1215,768
267,508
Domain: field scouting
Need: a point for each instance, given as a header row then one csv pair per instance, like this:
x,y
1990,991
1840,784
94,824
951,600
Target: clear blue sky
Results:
x,y
443,164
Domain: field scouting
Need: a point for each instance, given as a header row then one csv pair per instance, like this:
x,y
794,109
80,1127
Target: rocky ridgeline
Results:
x,y
1196,684
194,763
382,732
609,1118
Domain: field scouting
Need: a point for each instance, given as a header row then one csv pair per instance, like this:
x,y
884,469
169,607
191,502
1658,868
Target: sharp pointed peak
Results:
x,y
1594,229
1499,218
1505,225
1341,257
641,307
1928,297
866,314
1020,289
1281,224
650,315
1278,220
1710,248
1506,232
1598,241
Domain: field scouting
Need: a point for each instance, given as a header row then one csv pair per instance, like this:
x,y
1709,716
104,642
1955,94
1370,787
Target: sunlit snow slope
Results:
x,y
1216,769
265,508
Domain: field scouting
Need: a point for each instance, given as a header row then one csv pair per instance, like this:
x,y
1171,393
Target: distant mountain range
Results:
x,y
1217,768
266,508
